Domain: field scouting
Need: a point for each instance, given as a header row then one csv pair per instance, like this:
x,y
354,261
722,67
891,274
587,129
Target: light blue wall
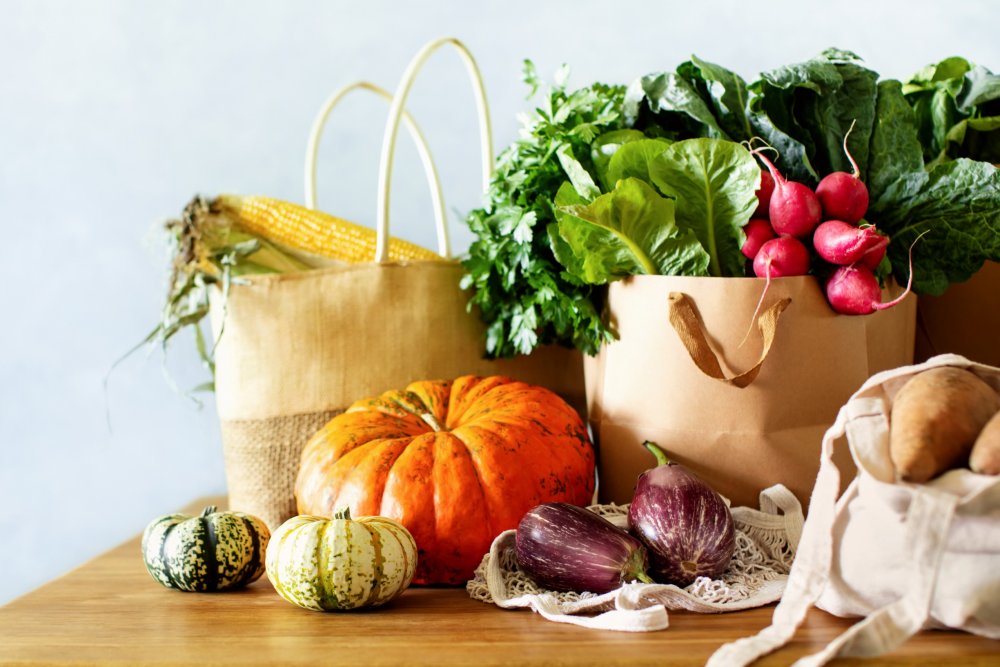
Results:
x,y
113,114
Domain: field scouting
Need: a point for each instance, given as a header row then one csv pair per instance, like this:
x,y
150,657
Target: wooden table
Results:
x,y
109,611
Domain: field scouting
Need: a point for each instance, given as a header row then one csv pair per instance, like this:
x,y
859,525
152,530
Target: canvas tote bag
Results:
x,y
904,556
296,349
667,379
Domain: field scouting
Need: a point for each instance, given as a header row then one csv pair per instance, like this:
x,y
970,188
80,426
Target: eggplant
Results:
x,y
563,547
685,525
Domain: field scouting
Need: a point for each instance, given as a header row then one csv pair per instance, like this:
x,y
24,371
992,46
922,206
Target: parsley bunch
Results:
x,y
521,290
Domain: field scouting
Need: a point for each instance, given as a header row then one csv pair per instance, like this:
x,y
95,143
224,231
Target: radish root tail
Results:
x,y
909,281
775,174
854,165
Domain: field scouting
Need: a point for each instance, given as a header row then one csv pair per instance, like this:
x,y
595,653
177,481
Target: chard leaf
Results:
x,y
668,92
933,93
628,231
635,98
834,54
578,176
957,204
565,197
818,75
895,149
981,86
974,138
814,103
729,98
831,116
792,155
714,182
926,78
604,148
633,159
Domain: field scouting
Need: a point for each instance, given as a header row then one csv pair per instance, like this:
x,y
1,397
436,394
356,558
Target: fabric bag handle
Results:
x,y
810,569
433,180
928,519
690,329
392,130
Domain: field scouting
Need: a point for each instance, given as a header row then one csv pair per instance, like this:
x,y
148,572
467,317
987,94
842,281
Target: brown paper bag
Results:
x,y
964,320
740,431
296,349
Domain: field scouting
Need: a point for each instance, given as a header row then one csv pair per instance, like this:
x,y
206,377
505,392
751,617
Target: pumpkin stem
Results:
x,y
343,513
208,510
432,421
661,456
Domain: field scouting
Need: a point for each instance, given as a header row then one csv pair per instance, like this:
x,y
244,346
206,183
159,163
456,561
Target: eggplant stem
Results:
x,y
661,456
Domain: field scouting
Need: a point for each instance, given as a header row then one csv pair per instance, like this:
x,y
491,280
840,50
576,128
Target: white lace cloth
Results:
x,y
765,546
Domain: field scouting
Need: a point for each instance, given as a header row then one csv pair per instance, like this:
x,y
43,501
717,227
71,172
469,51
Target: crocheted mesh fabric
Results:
x,y
760,565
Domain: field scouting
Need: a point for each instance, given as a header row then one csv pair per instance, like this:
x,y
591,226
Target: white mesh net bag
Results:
x,y
765,546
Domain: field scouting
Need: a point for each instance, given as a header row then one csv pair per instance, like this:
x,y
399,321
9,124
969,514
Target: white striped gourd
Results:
x,y
211,552
339,564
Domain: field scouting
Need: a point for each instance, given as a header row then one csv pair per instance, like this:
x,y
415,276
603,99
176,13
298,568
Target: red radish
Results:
x,y
874,257
783,256
843,196
780,257
794,209
854,290
764,193
758,232
841,243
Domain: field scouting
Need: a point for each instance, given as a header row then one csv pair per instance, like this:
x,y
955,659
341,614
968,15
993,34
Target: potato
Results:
x,y
935,420
985,456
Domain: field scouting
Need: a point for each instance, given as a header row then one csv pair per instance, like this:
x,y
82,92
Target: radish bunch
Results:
x,y
790,215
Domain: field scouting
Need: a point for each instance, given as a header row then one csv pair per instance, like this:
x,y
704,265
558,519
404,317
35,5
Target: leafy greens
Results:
x,y
520,289
651,179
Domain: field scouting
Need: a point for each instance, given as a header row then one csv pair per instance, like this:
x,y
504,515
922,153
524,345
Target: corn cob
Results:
x,y
311,236
216,242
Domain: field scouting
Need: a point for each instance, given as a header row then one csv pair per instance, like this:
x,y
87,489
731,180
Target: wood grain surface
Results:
x,y
109,611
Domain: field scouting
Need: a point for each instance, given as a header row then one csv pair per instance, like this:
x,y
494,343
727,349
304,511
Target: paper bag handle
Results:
x,y
433,181
690,329
392,130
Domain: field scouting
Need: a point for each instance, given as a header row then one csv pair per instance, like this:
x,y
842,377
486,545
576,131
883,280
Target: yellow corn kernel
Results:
x,y
311,232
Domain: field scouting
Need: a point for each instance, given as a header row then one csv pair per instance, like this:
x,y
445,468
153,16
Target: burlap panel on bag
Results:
x,y
262,461
298,348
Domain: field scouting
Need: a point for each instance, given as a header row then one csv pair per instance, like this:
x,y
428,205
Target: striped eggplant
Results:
x,y
563,547
215,551
339,564
684,523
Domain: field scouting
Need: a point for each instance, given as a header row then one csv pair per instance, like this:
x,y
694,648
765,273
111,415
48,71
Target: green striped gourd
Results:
x,y
338,564
211,552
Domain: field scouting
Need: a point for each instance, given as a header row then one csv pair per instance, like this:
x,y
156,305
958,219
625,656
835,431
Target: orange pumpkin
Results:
x,y
456,462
